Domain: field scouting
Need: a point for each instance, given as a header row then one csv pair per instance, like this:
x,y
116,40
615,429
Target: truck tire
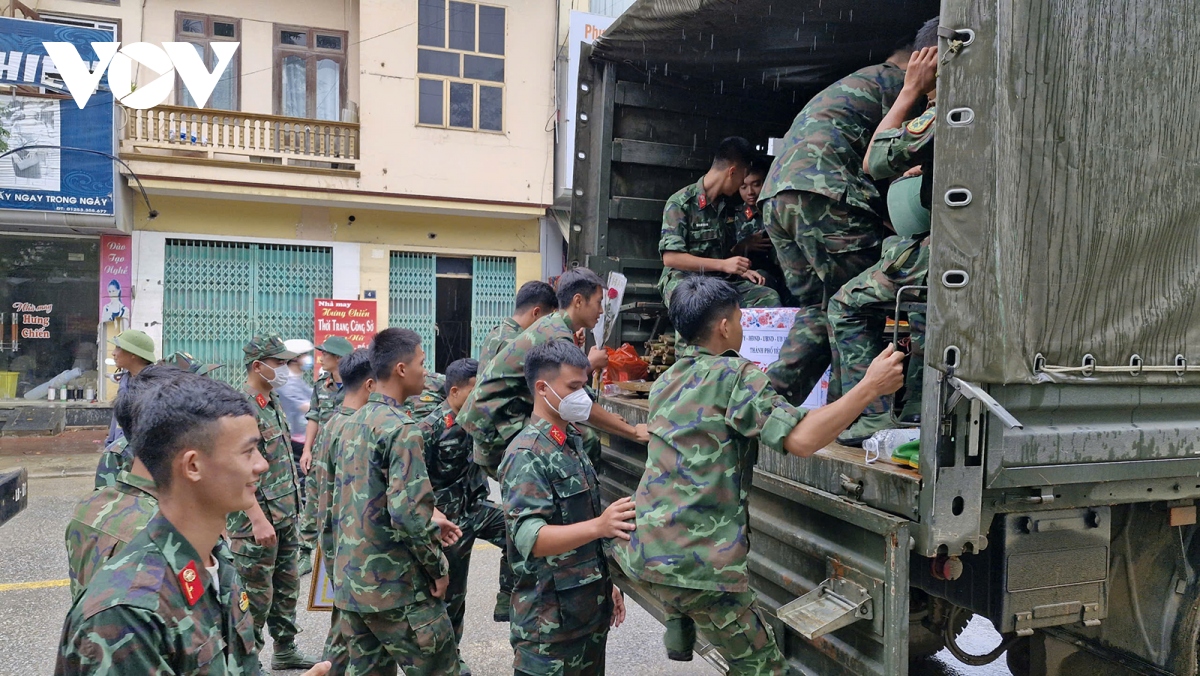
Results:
x,y
927,619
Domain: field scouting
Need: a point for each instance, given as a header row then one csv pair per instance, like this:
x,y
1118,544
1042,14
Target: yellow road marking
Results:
x,y
44,584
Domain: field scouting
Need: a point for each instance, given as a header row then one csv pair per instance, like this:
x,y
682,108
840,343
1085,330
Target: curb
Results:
x,y
65,474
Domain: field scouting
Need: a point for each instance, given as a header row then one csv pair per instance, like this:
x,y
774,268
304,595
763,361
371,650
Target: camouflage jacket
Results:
x,y
152,610
458,483
694,226
116,458
706,412
547,479
824,148
387,544
326,458
895,151
420,405
748,221
500,405
326,398
278,489
105,522
497,338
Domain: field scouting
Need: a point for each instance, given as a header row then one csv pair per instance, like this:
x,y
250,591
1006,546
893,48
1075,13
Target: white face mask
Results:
x,y
279,377
573,408
306,363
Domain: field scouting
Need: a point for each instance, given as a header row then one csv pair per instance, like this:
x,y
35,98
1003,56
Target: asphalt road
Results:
x,y
34,599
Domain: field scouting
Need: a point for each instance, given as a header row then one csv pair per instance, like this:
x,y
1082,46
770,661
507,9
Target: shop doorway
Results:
x,y
454,283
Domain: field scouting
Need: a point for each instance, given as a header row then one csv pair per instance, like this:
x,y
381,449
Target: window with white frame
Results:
x,y
460,65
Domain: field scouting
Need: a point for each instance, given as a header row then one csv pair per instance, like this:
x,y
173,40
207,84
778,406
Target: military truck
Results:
x,y
1060,452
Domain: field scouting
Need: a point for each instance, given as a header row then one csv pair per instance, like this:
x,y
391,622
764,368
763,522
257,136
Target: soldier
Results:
x,y
163,607
903,142
750,234
563,600
132,352
690,546
499,406
698,230
393,573
534,300
460,491
265,538
117,456
824,215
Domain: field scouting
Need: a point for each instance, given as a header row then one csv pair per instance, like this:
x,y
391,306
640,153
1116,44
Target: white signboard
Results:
x,y
764,331
583,28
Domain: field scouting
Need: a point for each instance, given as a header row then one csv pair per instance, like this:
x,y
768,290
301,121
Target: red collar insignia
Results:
x,y
749,213
558,435
702,201
262,401
449,420
189,579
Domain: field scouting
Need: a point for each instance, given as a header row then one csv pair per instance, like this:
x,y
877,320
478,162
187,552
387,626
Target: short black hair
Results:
x,y
390,347
733,150
760,166
459,373
536,294
355,369
579,281
125,407
698,303
182,413
927,35
552,356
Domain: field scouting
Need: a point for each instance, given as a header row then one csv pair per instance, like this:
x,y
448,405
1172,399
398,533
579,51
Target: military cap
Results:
x,y
266,345
136,343
336,346
186,362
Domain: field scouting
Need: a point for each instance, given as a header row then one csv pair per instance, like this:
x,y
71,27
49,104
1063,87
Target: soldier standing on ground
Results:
x,y
164,607
564,599
690,547
265,538
534,300
132,351
393,574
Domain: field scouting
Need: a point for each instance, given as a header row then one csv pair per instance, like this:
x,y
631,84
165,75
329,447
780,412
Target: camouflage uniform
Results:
x,y
387,551
116,458
105,522
326,399
691,545
137,617
460,491
749,221
419,406
854,312
693,226
561,604
497,338
824,216
270,574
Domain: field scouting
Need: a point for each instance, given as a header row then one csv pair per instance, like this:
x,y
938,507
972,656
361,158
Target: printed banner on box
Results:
x,y
764,331
115,278
353,320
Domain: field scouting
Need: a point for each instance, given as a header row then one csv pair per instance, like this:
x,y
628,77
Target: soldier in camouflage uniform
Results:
x,y
824,215
265,537
162,607
698,230
563,600
460,490
392,573
326,398
500,404
690,546
534,300
750,234
419,406
858,311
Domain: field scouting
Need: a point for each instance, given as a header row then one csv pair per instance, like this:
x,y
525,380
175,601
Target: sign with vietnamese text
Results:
x,y
764,331
34,320
115,279
353,320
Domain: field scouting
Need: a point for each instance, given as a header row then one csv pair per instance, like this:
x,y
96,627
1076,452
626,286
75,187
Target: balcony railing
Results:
x,y
219,135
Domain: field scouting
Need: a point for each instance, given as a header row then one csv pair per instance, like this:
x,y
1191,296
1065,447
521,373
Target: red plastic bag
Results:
x,y
624,365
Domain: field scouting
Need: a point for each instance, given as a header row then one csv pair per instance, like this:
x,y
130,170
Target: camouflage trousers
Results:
x,y
821,244
753,295
335,650
272,581
583,656
308,513
484,522
417,638
859,311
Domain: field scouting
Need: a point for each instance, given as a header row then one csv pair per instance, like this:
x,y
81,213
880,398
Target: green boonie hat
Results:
x,y
137,343
909,217
266,345
336,346
186,362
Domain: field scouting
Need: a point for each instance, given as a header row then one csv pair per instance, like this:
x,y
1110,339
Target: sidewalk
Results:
x,y
72,453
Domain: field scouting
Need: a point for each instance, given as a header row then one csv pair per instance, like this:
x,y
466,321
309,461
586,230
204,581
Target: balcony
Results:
x,y
241,140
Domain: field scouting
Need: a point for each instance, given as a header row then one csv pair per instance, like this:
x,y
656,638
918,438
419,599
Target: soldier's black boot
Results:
x,y
680,638
288,656
503,607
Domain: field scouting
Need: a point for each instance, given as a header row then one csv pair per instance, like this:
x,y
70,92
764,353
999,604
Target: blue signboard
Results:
x,y
53,178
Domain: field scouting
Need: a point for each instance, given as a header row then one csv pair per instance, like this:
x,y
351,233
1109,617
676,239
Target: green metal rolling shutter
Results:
x,y
217,294
412,297
493,288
